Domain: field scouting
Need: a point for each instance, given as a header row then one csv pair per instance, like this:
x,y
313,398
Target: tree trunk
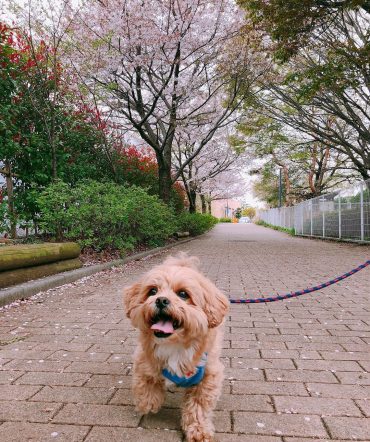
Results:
x,y
35,227
192,200
164,177
204,203
210,206
192,195
9,191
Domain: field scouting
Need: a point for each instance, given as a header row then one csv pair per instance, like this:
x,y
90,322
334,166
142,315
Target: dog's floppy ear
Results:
x,y
130,297
216,304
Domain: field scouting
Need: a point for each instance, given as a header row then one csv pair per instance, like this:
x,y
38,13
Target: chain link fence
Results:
x,y
344,214
281,217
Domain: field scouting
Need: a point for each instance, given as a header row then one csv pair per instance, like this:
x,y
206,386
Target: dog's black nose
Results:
x,y
162,302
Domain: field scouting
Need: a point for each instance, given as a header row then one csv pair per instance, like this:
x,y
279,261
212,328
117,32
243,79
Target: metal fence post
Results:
x,y
323,219
311,215
302,218
339,217
362,212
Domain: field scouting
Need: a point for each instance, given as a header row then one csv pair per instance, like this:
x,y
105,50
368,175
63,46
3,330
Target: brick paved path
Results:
x,y
296,371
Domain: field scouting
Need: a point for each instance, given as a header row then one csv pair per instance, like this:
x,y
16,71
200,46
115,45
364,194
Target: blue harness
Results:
x,y
189,380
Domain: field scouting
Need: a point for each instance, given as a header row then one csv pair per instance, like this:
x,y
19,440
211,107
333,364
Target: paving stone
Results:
x,y
17,392
261,363
169,418
7,377
241,353
65,347
123,397
27,411
295,439
364,406
349,427
110,381
279,425
45,378
99,434
74,395
79,356
362,378
107,415
223,437
33,432
16,353
245,402
293,354
329,365
37,365
245,374
314,405
365,365
272,388
339,391
347,356
259,345
301,376
98,367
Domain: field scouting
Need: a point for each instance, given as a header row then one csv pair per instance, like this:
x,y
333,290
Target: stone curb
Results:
x,y
30,288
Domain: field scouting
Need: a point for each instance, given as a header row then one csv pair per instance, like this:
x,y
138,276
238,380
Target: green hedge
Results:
x,y
195,223
224,220
105,215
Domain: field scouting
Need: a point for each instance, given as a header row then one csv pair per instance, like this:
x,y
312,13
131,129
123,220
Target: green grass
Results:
x,y
280,229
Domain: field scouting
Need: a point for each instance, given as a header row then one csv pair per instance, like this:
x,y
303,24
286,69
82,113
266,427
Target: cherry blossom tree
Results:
x,y
160,65
216,158
230,184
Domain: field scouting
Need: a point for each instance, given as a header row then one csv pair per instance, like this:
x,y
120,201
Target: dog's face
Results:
x,y
175,303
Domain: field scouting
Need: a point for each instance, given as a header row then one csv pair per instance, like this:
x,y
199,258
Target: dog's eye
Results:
x,y
182,294
153,291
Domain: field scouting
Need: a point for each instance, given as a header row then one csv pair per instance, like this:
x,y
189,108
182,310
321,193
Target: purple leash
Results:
x,y
301,292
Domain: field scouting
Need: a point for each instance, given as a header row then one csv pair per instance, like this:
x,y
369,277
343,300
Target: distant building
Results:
x,y
224,208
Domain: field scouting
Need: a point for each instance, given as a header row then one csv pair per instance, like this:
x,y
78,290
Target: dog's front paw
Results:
x,y
148,406
149,401
197,433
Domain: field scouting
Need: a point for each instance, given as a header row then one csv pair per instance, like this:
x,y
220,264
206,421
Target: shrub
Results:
x,y
105,215
53,203
195,223
224,220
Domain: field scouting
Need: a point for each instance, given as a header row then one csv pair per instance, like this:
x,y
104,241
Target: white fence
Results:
x,y
344,214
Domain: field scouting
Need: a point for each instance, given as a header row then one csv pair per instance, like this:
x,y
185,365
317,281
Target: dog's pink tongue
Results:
x,y
163,326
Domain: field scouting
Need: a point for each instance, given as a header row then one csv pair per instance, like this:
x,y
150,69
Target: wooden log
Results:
x,y
17,276
19,256
182,234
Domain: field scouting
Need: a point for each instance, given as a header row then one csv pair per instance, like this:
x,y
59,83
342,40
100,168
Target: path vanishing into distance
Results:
x,y
296,371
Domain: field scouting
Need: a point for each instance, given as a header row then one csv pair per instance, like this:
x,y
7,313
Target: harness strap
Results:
x,y
190,379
